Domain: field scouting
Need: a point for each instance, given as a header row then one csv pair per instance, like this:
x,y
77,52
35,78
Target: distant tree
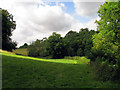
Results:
x,y
71,44
38,48
24,46
55,46
8,26
79,44
84,29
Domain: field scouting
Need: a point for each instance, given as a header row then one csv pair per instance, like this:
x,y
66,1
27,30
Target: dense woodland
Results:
x,y
102,47
55,46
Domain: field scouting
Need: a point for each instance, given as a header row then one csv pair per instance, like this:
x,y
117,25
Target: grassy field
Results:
x,y
28,72
22,51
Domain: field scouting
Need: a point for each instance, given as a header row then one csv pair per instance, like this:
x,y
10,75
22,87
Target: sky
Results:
x,y
36,19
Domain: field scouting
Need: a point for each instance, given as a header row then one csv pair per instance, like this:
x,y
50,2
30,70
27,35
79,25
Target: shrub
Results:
x,y
104,71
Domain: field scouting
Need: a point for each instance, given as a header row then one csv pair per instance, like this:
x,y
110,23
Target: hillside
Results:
x,y
21,51
28,72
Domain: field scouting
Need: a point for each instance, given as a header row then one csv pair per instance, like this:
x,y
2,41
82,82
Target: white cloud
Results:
x,y
62,5
35,22
87,9
91,25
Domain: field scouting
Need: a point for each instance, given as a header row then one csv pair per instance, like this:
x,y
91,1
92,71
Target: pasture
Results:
x,y
28,72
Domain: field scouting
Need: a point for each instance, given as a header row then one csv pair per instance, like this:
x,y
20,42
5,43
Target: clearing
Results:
x,y
28,72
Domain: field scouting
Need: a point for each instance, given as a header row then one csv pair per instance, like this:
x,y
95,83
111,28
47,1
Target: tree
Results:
x,y
79,44
38,48
106,43
8,26
24,46
84,29
109,32
71,43
13,45
55,46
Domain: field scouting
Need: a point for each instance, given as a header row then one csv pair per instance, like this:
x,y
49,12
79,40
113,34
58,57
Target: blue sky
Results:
x,y
69,6
70,9
36,19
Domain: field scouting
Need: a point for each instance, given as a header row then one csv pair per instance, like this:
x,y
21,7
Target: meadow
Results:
x,y
21,51
60,60
28,72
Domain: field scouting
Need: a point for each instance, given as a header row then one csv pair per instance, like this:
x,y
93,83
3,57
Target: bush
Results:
x,y
104,71
38,48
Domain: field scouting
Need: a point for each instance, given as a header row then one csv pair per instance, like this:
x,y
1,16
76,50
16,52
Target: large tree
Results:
x,y
8,26
107,42
108,38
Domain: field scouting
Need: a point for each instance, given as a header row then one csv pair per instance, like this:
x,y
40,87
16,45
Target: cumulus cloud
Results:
x,y
36,19
36,22
51,18
87,8
90,24
62,5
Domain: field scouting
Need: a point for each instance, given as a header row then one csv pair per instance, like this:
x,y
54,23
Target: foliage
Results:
x,y
8,26
104,71
106,43
38,48
73,44
55,46
79,44
24,46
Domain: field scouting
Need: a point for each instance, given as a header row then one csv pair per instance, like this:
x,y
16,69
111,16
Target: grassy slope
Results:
x,y
22,51
27,72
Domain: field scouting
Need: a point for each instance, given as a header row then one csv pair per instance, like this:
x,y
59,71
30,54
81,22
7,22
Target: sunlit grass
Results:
x,y
3,51
22,51
28,72
82,61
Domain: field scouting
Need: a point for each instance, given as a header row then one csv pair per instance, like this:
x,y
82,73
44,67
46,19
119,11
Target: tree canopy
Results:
x,y
24,46
55,46
8,26
106,43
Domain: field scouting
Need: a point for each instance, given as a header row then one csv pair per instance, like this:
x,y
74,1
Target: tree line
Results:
x,y
55,46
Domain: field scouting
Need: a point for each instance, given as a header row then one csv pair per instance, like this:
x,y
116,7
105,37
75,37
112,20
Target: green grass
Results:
x,y
22,51
27,72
